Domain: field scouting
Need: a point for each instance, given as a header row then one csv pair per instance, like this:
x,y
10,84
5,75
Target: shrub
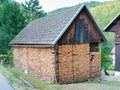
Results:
x,y
8,58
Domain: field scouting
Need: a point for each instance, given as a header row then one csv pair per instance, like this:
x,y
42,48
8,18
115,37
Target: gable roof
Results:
x,y
48,30
112,23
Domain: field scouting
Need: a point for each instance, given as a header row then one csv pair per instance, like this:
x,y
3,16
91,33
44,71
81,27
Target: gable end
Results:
x,y
82,30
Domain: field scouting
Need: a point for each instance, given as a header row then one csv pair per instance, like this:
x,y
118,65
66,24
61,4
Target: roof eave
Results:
x,y
32,45
109,25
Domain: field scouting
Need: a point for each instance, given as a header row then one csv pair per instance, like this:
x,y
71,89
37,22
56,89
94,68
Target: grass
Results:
x,y
12,79
13,74
37,83
92,85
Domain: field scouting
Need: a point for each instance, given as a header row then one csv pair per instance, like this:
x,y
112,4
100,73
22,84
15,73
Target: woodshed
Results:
x,y
114,26
60,48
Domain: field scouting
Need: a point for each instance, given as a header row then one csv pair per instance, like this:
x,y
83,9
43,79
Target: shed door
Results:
x,y
117,57
73,63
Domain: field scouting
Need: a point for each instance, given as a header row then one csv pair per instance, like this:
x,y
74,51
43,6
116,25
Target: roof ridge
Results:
x,y
71,7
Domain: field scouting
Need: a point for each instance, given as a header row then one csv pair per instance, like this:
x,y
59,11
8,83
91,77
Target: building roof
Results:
x,y
48,30
112,24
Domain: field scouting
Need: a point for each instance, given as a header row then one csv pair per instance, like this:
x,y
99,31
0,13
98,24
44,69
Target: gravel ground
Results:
x,y
110,78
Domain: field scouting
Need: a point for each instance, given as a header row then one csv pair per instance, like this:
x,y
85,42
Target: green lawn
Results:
x,y
13,76
88,86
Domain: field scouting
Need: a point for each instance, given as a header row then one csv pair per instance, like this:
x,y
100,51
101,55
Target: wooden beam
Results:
x,y
56,64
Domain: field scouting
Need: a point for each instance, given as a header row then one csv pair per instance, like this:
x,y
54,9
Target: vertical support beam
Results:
x,y
72,63
90,62
56,64
26,71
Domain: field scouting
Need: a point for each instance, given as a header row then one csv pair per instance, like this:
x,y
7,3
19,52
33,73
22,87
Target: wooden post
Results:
x,y
56,64
72,64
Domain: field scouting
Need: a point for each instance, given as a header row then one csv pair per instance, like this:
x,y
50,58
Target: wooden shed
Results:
x,y
114,26
60,48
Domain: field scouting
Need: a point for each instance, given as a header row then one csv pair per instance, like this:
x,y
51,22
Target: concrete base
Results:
x,y
117,73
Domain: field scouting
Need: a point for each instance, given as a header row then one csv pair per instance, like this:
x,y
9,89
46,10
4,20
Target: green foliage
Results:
x,y
104,13
11,23
116,0
32,10
106,52
13,17
8,58
92,4
57,10
1,2
3,57
103,59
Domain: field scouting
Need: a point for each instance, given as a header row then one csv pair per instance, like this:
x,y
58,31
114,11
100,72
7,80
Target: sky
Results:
x,y
49,5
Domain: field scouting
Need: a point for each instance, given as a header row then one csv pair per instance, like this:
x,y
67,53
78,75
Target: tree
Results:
x,y
32,10
11,23
1,2
116,0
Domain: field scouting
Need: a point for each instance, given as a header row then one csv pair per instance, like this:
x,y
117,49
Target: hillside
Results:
x,y
57,10
88,4
105,12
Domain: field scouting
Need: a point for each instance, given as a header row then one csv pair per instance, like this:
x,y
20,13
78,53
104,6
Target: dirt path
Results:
x,y
110,78
4,85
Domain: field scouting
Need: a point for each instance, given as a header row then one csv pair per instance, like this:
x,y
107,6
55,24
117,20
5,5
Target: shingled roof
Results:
x,y
112,23
48,30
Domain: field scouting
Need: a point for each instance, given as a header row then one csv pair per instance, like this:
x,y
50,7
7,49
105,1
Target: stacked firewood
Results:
x,y
95,64
73,62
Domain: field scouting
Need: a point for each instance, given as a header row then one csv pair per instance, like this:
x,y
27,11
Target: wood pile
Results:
x,y
65,63
81,62
37,61
16,57
73,63
95,66
20,55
